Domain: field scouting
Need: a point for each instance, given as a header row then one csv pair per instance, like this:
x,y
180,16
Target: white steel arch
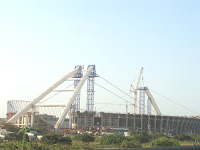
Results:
x,y
45,93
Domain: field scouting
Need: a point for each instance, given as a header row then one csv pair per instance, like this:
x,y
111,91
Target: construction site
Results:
x,y
69,116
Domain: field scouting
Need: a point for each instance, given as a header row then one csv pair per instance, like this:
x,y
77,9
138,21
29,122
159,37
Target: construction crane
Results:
x,y
134,90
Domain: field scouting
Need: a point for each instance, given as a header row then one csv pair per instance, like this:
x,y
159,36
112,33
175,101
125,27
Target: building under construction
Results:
x,y
30,114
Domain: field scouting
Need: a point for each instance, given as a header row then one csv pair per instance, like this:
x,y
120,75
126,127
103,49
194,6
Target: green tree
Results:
x,y
84,138
130,144
142,137
164,141
53,138
157,135
116,139
182,137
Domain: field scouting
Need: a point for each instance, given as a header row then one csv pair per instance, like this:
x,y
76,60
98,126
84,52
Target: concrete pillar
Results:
x,y
134,123
155,124
118,120
110,122
141,118
126,120
167,125
178,121
161,124
182,123
85,121
195,127
173,129
195,121
190,124
186,124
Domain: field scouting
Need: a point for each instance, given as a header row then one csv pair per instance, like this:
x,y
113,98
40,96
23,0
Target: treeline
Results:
x,y
53,141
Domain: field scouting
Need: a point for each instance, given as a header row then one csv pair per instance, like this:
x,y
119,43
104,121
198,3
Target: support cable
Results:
x,y
119,97
115,86
174,102
113,93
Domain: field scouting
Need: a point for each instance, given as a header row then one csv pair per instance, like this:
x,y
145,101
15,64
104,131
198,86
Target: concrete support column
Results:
x,y
110,123
134,123
186,124
183,121
195,127
167,124
178,121
126,120
173,124
155,124
141,118
118,120
161,124
189,127
85,121
194,124
93,116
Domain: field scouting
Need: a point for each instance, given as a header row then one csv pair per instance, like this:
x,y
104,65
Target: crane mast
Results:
x,y
134,90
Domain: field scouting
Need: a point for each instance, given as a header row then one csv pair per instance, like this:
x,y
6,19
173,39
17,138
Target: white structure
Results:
x,y
32,104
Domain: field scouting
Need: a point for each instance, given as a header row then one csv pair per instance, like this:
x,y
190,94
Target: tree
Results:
x,y
53,138
142,137
116,139
164,141
84,138
182,137
130,144
157,135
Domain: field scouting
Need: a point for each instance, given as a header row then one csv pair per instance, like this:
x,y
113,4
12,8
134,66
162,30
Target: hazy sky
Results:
x,y
40,41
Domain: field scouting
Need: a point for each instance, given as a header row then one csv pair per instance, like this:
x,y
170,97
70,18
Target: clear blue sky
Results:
x,y
40,41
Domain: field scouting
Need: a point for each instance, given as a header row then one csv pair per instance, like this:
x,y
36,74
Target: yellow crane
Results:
x,y
134,90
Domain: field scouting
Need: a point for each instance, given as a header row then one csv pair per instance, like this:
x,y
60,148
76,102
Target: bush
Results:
x,y
79,145
140,137
182,137
164,141
197,137
130,144
84,138
116,139
157,135
53,138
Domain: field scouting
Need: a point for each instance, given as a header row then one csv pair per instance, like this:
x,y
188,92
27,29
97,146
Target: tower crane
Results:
x,y
134,90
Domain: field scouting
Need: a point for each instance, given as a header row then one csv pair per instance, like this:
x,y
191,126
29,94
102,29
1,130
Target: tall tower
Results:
x,y
75,107
76,104
142,101
90,90
149,106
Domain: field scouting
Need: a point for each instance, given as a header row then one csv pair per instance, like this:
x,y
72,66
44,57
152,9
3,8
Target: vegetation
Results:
x,y
164,141
52,141
53,138
84,138
182,137
130,144
115,139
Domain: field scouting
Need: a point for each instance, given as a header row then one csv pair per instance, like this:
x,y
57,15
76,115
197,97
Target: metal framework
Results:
x,y
148,106
143,91
68,106
90,90
153,102
76,104
134,90
40,97
142,101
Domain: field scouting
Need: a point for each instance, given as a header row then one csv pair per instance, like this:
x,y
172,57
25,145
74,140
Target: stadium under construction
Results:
x,y
69,116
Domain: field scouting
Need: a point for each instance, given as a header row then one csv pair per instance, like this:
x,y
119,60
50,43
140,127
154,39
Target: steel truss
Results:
x,y
90,90
142,102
